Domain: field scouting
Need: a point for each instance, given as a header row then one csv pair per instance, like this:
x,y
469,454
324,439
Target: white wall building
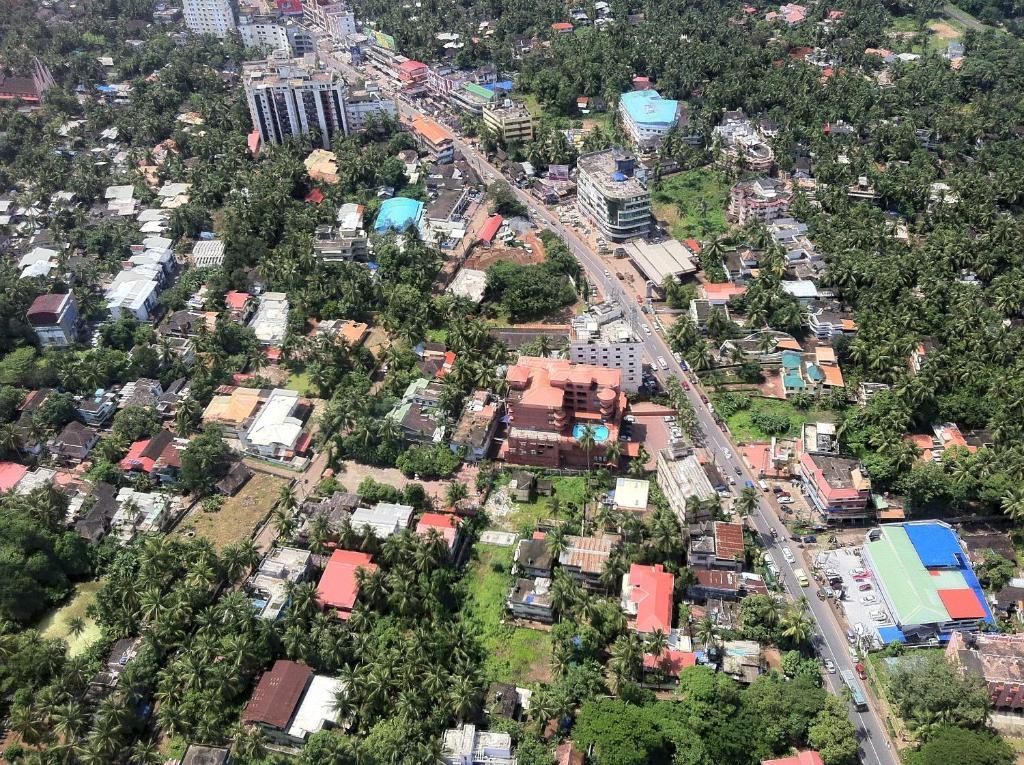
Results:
x,y
271,320
601,338
468,746
289,97
274,432
332,19
361,103
386,518
209,17
610,194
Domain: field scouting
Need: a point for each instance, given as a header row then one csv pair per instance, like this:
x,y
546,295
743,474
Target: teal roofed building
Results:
x,y
647,116
792,379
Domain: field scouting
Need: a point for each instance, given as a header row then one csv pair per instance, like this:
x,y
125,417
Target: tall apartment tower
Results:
x,y
209,17
294,96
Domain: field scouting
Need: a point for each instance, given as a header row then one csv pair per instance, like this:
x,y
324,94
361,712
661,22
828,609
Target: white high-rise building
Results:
x,y
602,338
612,196
289,97
209,17
332,19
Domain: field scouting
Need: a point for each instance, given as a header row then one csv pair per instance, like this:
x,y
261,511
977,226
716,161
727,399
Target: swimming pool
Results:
x,y
601,432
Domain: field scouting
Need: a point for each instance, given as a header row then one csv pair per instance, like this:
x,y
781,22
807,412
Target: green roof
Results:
x,y
479,91
910,588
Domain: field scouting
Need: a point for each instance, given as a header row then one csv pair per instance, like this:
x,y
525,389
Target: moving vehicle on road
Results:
x,y
662,362
801,577
788,555
860,701
830,666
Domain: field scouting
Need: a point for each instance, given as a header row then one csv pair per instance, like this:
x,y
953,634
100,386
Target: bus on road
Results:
x,y
860,701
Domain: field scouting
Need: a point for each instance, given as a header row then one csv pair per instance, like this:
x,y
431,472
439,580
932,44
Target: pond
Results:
x,y
56,623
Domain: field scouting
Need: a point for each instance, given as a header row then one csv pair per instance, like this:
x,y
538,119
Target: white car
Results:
x,y
788,555
647,329
727,454
662,362
876,613
670,418
830,666
785,500
869,599
606,273
711,408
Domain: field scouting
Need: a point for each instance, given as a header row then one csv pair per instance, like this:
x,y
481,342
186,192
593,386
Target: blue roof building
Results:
x,y
647,116
397,214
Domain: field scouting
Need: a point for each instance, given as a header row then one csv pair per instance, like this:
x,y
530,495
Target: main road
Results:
x,y
829,637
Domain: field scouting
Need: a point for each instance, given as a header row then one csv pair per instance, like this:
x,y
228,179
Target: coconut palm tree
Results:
x,y
747,501
456,492
627,658
795,624
76,626
706,633
612,454
1013,503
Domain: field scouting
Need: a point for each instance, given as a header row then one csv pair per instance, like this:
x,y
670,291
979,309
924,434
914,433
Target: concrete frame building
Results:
x,y
54,319
209,17
647,117
335,20
511,122
289,97
602,338
612,196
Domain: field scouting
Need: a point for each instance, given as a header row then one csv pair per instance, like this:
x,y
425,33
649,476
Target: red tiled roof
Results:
x,y
10,474
446,525
315,197
652,592
277,694
411,66
134,459
807,757
729,540
338,587
45,308
236,300
490,228
561,26
962,604
670,662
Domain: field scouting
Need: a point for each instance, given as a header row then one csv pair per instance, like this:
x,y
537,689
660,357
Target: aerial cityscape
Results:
x,y
422,382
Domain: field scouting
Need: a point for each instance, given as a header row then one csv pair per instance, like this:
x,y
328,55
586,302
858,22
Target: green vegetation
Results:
x,y
534,292
569,494
692,203
72,623
765,418
513,654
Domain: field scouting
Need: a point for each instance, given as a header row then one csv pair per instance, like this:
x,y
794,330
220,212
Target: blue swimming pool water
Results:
x,y
601,432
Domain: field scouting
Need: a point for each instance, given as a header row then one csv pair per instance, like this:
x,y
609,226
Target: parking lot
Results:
x,y
861,602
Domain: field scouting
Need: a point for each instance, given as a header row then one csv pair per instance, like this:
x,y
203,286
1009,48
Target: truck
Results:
x,y
801,577
860,701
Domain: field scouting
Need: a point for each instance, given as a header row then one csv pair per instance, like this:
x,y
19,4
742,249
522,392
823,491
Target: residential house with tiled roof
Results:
x,y
647,594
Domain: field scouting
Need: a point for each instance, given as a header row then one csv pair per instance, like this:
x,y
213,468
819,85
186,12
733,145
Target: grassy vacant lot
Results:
x,y
299,382
677,200
567,489
743,429
240,515
57,623
514,654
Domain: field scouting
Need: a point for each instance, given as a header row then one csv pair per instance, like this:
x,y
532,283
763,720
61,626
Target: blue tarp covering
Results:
x,y
505,85
397,214
936,545
891,635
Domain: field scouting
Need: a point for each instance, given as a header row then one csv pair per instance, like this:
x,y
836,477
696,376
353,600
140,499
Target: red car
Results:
x,y
860,671
865,587
862,577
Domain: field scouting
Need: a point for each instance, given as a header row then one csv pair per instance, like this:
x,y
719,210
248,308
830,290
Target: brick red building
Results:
x,y
551,401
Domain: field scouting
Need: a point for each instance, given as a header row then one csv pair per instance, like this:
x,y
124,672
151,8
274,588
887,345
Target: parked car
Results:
x,y
850,637
869,599
822,593
860,671
865,586
786,500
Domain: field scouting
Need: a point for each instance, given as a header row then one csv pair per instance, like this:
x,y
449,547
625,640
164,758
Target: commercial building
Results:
x,y
290,97
717,546
763,199
433,139
647,593
681,477
344,241
338,589
54,319
661,260
511,122
922,573
836,486
601,337
468,746
209,17
276,433
269,33
611,194
472,98
552,402
647,117
335,20
363,107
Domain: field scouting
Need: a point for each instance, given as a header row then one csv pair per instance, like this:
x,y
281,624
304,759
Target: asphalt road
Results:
x,y
829,638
